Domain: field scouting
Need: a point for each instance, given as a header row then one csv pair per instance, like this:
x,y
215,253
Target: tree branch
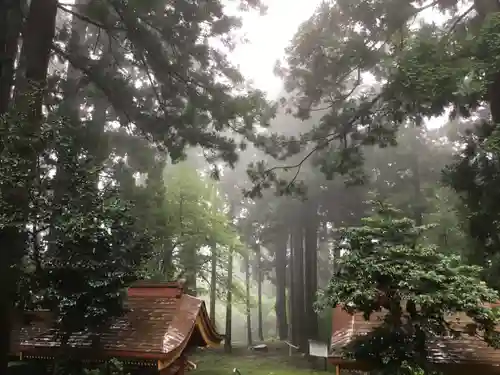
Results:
x,y
85,18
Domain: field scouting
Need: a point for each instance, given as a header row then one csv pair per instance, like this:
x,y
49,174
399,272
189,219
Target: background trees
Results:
x,y
101,102
101,94
377,73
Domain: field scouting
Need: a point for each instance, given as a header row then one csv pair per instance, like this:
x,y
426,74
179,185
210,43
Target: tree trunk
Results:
x,y
229,304
213,284
292,324
298,312
190,269
39,32
325,261
336,251
260,329
311,274
484,8
247,299
280,268
10,27
418,196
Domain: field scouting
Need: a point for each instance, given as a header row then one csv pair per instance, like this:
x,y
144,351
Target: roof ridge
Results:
x,y
157,284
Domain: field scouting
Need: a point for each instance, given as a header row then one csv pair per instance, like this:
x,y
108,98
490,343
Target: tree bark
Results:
x,y
213,284
10,28
39,33
298,311
311,274
190,268
325,261
247,300
260,330
292,324
280,261
418,196
229,304
188,258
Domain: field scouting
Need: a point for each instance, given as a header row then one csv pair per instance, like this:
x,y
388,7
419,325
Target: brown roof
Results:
x,y
158,325
467,349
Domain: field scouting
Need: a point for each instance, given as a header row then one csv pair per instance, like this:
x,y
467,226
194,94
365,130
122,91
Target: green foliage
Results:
x,y
385,268
111,367
195,217
73,268
196,211
474,176
421,69
189,93
407,175
130,83
448,226
159,73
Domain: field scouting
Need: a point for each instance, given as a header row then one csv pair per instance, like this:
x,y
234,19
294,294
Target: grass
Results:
x,y
251,363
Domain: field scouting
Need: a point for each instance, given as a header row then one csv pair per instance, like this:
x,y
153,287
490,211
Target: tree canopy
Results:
x,y
415,285
114,114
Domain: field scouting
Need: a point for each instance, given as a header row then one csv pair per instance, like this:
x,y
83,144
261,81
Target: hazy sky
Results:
x,y
268,37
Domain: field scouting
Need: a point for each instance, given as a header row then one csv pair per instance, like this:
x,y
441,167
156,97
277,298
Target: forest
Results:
x,y
132,148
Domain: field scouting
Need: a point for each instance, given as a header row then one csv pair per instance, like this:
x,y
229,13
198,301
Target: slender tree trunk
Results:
x,y
213,283
280,261
298,287
336,251
311,274
325,264
418,197
190,268
260,323
247,300
292,294
229,305
260,329
189,263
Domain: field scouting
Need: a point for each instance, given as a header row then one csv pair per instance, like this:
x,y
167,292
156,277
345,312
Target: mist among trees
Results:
x,y
133,149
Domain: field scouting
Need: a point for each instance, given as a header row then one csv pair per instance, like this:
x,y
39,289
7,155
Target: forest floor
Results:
x,y
275,361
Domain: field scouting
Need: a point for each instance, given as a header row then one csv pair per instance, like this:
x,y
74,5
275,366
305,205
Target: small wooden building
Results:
x,y
161,326
465,355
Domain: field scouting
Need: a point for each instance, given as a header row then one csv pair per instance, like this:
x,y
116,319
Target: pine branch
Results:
x,y
86,18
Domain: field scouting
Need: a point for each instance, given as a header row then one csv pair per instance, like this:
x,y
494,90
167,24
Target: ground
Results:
x,y
275,362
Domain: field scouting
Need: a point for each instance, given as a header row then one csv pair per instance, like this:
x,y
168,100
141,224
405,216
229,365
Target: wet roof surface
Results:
x,y
466,349
160,321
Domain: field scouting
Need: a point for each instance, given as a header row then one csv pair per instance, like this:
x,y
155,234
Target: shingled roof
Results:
x,y
467,349
160,323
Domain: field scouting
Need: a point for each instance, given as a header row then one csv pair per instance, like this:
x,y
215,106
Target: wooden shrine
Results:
x,y
155,336
465,355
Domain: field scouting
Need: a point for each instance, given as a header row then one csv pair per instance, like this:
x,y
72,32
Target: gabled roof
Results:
x,y
468,349
159,324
